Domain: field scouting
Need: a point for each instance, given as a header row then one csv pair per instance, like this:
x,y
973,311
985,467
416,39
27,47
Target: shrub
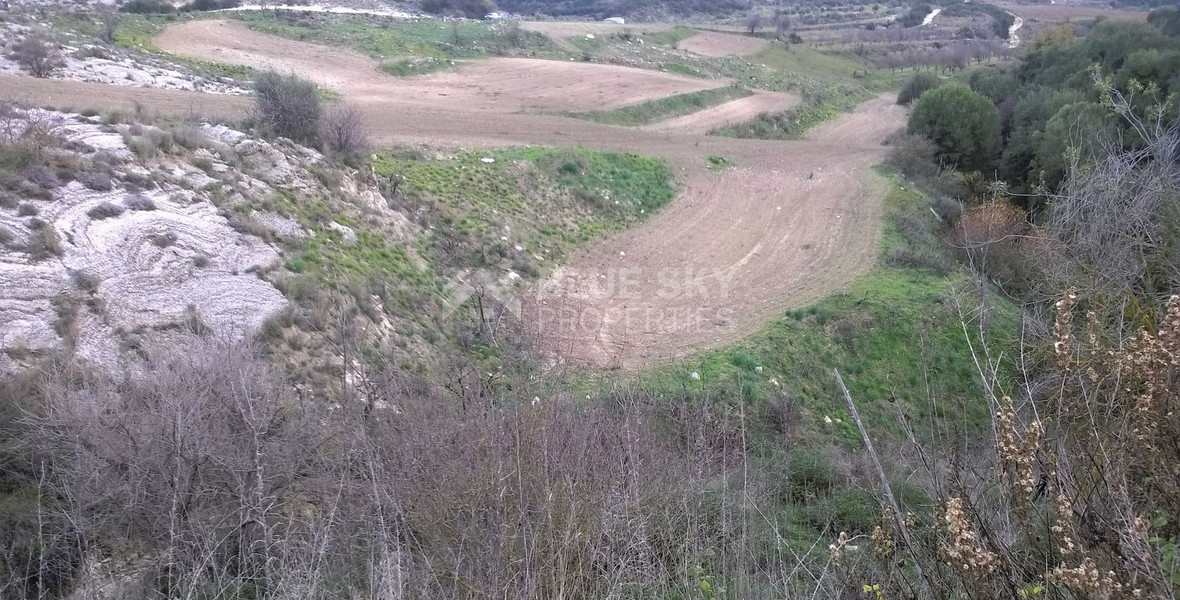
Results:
x,y
852,510
912,155
42,177
204,164
44,243
109,20
204,5
472,9
27,210
194,322
86,282
922,258
163,240
289,106
91,52
915,86
17,156
39,58
344,132
99,182
145,7
148,142
188,136
139,202
812,474
106,210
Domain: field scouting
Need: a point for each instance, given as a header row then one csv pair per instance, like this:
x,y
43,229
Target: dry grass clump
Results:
x,y
224,479
105,210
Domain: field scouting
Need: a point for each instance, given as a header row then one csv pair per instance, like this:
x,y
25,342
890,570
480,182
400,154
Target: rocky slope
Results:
x,y
115,238
88,60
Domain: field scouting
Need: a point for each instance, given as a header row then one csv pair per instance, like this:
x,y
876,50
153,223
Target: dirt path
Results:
x,y
714,43
789,223
729,113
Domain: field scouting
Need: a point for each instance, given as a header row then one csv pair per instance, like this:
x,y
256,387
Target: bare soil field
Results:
x,y
729,113
713,43
497,84
84,94
790,223
787,224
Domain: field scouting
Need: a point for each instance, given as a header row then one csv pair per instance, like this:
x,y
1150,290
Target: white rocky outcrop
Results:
x,y
133,267
85,61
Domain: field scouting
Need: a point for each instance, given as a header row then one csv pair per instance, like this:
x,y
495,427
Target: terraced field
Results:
x,y
784,224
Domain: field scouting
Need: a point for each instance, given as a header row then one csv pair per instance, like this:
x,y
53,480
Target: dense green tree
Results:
x,y
1032,111
964,126
915,15
1076,132
1056,66
1111,42
1167,20
1151,66
915,86
996,84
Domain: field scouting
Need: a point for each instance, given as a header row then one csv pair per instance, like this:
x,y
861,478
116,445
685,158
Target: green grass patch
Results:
x,y
527,208
327,257
830,81
396,39
670,37
894,334
408,67
685,70
795,121
896,337
719,163
669,107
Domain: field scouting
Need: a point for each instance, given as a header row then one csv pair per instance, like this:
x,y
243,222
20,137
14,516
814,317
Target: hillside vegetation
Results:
x,y
989,412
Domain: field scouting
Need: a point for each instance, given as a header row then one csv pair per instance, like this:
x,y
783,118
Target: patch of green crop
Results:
x,y
668,107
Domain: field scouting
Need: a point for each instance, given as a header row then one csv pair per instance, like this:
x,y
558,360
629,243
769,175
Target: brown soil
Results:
x,y
789,223
713,43
497,84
